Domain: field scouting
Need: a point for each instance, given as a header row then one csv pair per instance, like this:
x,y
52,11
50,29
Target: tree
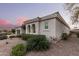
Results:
x,y
13,31
73,8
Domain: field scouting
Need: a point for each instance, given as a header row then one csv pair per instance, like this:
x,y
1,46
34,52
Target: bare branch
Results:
x,y
74,12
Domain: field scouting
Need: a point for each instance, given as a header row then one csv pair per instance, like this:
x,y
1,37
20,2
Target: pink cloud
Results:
x,y
4,22
20,20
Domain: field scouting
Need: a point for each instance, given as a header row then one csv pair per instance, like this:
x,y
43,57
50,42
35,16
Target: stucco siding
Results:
x,y
60,28
51,25
50,32
66,30
36,28
19,28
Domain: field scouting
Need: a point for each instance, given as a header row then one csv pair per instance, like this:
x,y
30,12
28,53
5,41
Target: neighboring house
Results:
x,y
75,30
52,26
18,30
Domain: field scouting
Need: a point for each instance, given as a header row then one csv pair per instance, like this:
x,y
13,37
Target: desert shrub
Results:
x,y
37,43
3,37
18,50
9,33
12,36
64,36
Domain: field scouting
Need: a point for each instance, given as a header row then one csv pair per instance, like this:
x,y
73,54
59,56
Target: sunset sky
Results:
x,y
16,13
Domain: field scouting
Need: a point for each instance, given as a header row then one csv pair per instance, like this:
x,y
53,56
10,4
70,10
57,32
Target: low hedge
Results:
x,y
27,36
37,43
18,50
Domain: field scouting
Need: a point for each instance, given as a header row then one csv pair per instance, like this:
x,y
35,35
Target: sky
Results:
x,y
19,12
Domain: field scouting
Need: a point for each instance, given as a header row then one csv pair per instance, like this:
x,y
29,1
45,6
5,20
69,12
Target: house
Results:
x,y
52,26
75,30
18,30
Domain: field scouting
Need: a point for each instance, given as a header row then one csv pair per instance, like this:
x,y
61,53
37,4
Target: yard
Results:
x,y
5,49
62,48
68,47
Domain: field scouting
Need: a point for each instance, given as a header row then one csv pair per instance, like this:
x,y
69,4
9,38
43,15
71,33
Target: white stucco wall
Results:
x,y
19,28
60,28
55,28
36,26
66,30
50,32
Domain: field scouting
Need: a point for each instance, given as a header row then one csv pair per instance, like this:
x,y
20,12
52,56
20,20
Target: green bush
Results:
x,y
18,50
37,43
64,36
8,33
26,36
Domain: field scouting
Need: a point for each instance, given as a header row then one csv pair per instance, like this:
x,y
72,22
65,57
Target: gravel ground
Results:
x,y
61,48
5,49
69,47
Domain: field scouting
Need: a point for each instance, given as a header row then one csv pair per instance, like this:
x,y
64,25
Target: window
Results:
x,y
46,25
33,28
